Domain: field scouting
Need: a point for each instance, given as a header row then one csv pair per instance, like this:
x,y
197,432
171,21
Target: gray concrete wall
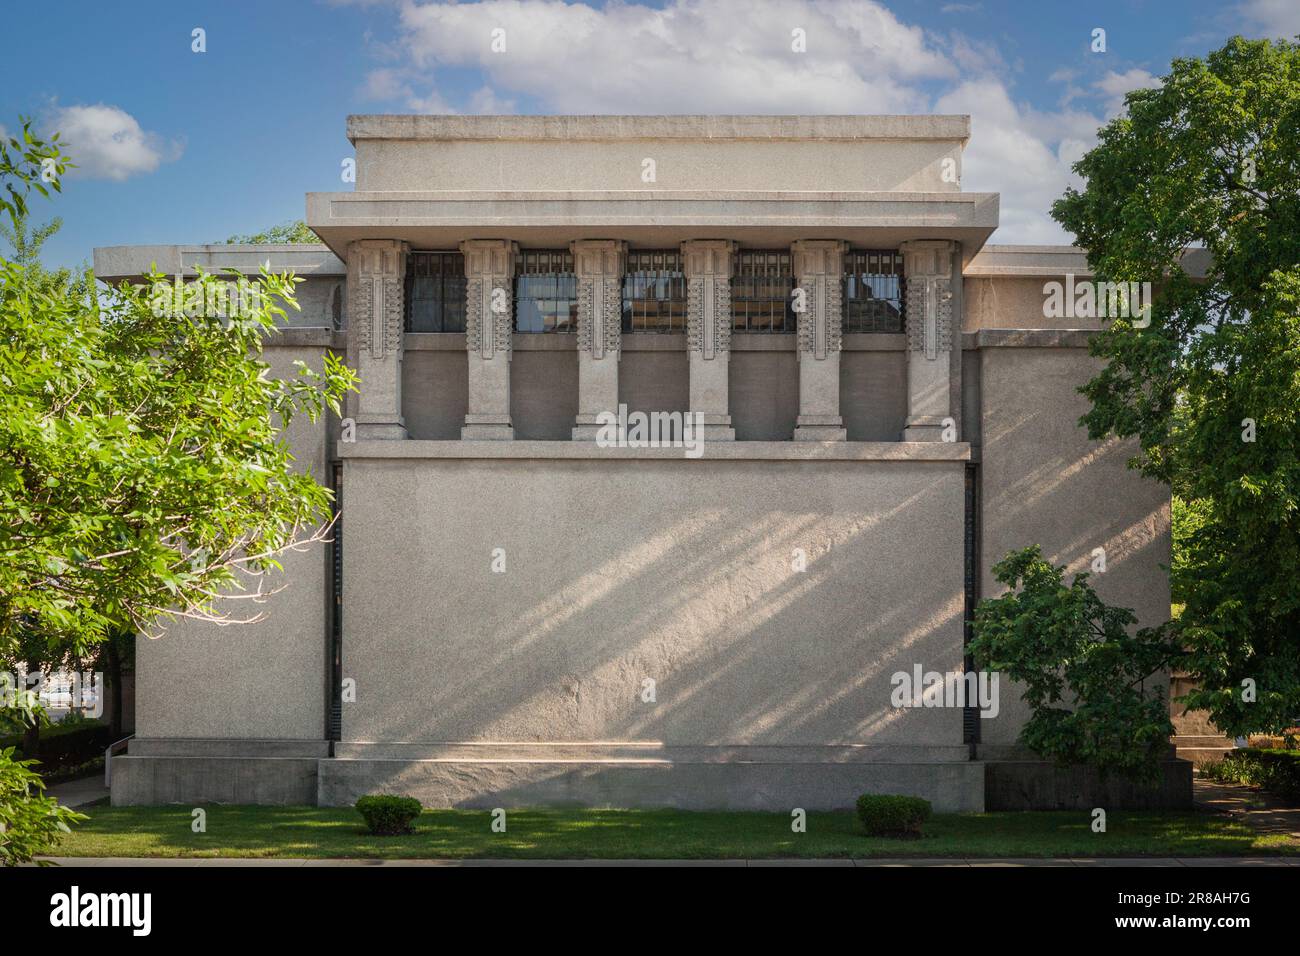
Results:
x,y
873,394
654,381
725,153
435,393
544,393
675,570
1043,482
265,680
764,394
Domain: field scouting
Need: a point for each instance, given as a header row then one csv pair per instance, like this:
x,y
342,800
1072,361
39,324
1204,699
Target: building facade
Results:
x,y
526,602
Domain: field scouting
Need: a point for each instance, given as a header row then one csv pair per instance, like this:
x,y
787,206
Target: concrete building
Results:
x,y
519,611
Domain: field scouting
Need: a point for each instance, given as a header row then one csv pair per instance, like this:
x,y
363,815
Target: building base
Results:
x,y
1016,780
650,776
263,772
487,776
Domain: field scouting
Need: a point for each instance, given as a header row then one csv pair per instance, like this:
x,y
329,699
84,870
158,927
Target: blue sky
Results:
x,y
184,147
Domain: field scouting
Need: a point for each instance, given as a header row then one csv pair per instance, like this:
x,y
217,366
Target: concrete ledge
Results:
x,y
1027,339
1047,261
206,747
642,341
651,752
117,263
274,781
950,787
568,128
922,451
305,337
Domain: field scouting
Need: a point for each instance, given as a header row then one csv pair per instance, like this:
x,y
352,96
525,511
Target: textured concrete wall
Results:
x,y
265,680
764,395
544,394
654,381
675,570
316,303
790,165
435,393
1004,302
873,395
1043,482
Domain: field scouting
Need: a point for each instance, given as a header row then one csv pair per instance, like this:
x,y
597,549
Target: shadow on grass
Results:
x,y
318,832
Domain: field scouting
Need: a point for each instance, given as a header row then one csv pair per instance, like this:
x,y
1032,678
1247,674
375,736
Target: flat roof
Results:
x,y
687,127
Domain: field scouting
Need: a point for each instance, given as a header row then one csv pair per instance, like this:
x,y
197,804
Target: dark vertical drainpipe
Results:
x,y
334,705
970,712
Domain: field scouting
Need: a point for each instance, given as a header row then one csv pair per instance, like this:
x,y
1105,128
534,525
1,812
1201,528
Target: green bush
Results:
x,y
1277,771
30,822
387,815
892,815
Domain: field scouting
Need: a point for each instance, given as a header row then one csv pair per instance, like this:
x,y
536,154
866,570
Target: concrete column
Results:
x,y
928,268
489,325
599,265
819,307
708,265
377,286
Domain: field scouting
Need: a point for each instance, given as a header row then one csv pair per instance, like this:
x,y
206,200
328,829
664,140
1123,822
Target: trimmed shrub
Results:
x,y
388,815
1277,771
884,814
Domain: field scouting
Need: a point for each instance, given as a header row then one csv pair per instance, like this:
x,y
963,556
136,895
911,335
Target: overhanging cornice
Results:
x,y
652,218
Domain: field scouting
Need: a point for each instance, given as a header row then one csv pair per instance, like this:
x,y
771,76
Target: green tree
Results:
x,y
1093,688
1210,160
144,469
294,231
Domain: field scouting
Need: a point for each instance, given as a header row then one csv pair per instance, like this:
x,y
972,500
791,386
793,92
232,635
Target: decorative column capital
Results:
x,y
489,312
927,266
599,265
931,362
489,257
708,264
377,289
708,257
380,269
818,257
819,298
599,257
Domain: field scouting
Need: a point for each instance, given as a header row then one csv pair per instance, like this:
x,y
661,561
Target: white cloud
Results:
x,y
1114,85
691,56
734,56
106,142
1272,18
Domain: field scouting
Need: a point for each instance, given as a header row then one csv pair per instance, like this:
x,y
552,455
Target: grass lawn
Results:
x,y
650,834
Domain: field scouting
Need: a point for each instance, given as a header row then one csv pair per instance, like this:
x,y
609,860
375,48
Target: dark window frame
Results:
x,y
654,291
546,276
874,291
442,276
763,277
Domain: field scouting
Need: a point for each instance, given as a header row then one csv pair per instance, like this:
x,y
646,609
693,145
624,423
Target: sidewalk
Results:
x,y
1256,808
1090,862
78,793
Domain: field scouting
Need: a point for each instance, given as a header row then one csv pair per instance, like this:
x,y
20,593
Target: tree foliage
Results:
x,y
1093,687
1210,160
144,468
293,231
